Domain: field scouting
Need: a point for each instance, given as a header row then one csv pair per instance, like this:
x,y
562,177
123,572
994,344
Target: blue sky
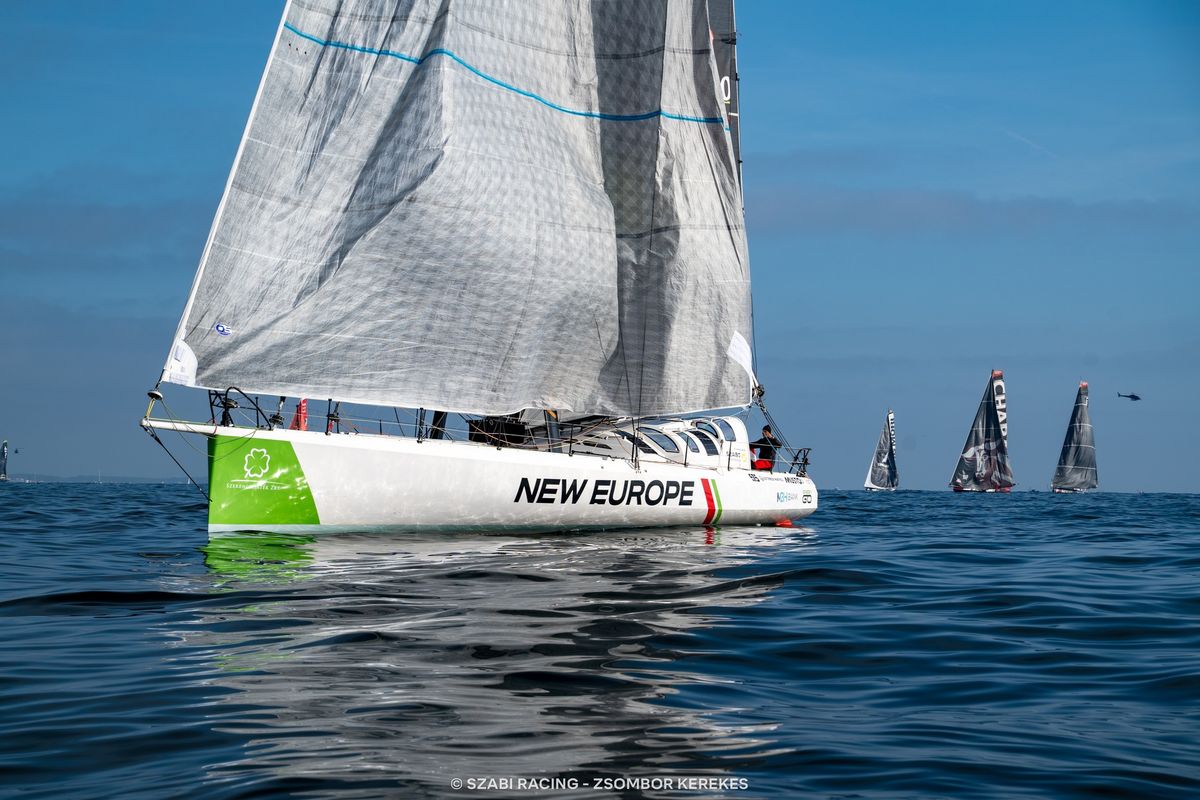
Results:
x,y
933,190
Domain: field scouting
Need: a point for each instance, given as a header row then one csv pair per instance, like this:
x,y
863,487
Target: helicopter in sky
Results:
x,y
1131,396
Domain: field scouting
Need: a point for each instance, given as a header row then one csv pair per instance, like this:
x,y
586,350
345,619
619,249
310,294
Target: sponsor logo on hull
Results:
x,y
613,492
603,491
257,482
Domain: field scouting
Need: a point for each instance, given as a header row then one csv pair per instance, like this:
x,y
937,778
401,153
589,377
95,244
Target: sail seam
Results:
x,y
441,51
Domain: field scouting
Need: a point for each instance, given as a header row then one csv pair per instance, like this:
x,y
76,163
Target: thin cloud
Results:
x,y
1031,143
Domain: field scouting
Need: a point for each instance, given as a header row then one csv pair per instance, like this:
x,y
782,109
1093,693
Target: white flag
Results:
x,y
739,351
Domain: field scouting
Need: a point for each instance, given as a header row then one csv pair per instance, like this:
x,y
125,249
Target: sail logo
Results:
x,y
222,329
604,492
1001,401
257,462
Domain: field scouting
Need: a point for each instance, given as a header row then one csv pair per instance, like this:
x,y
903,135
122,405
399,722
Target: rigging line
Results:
x,y
154,436
183,437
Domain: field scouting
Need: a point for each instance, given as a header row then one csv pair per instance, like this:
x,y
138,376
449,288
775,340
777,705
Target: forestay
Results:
x,y
481,208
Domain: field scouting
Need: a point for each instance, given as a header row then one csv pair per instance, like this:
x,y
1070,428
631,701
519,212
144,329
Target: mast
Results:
x,y
984,465
883,473
1077,462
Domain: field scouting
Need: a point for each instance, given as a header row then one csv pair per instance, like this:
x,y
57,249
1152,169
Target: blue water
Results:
x,y
909,645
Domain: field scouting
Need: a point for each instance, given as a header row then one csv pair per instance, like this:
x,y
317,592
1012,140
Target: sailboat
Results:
x,y
983,465
882,475
1077,462
531,220
4,461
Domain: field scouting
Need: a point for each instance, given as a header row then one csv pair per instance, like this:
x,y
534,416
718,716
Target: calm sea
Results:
x,y
911,645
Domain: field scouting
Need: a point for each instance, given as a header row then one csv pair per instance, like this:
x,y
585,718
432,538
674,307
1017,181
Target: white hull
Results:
x,y
386,483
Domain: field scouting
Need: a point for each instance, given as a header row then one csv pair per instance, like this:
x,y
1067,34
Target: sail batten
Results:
x,y
476,210
1077,462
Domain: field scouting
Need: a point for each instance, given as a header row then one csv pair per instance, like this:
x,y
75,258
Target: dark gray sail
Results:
x,y
482,207
4,461
1077,463
882,474
724,36
984,465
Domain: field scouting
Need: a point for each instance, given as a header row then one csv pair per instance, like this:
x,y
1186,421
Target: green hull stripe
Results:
x,y
717,498
256,481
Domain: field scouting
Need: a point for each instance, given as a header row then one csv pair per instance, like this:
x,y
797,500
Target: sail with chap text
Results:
x,y
983,465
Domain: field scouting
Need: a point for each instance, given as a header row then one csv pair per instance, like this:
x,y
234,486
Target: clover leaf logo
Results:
x,y
257,462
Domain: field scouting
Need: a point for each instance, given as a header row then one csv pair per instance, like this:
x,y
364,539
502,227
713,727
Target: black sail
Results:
x,y
1077,462
984,465
883,474
4,461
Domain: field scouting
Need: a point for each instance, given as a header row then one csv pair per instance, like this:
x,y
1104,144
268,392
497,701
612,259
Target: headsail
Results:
x,y
983,465
883,474
482,208
1077,462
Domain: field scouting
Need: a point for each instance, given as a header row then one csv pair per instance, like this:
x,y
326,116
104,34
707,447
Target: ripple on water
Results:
x,y
911,644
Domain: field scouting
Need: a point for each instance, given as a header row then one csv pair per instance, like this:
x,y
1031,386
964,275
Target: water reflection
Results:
x,y
368,663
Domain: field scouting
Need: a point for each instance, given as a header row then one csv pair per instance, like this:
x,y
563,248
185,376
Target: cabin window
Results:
x,y
691,442
727,429
600,445
707,427
662,440
637,440
710,446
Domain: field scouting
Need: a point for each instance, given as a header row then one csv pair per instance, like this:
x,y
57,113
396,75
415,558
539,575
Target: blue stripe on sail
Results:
x,y
549,104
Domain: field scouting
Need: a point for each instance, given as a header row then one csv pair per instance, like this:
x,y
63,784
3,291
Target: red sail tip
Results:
x,y
997,373
1083,384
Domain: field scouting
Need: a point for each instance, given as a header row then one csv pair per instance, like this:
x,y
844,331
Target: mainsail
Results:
x,y
483,208
882,474
1077,462
4,461
983,465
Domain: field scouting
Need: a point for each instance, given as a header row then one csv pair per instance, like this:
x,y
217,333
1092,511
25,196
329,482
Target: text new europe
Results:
x,y
605,491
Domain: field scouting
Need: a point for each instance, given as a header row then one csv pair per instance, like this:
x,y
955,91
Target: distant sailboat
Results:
x,y
4,461
882,475
1077,463
983,465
